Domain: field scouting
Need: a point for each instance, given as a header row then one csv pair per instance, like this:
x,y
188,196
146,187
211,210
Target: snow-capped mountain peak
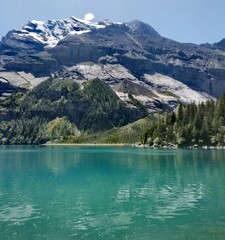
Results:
x,y
51,32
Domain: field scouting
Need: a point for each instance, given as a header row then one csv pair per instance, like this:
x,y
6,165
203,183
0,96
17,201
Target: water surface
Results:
x,y
111,193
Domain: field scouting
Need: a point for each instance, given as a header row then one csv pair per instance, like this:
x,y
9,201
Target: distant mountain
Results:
x,y
218,45
132,58
46,34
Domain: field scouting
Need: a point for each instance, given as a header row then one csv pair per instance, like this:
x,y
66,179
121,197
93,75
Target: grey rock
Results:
x,y
120,54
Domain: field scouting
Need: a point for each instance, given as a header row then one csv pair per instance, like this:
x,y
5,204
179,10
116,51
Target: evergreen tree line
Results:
x,y
202,124
37,131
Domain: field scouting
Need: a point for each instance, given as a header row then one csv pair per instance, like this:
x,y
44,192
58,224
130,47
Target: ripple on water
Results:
x,y
17,215
104,224
175,203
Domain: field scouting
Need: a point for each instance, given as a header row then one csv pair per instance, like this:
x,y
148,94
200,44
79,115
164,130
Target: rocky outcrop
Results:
x,y
10,81
38,66
143,51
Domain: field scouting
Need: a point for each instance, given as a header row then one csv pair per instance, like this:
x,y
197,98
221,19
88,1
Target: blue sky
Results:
x,y
196,21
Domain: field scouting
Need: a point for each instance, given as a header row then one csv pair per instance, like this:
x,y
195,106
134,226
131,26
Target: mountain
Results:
x,y
215,46
45,34
220,45
132,58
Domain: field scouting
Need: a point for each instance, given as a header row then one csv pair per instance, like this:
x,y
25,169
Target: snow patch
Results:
x,y
51,32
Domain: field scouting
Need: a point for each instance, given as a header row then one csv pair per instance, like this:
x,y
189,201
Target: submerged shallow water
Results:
x,y
111,193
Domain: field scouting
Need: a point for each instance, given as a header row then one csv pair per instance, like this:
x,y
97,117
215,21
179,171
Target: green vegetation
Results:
x,y
202,124
37,131
22,131
55,110
60,130
129,134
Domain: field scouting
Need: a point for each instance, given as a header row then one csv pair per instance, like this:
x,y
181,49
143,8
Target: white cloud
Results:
x,y
88,17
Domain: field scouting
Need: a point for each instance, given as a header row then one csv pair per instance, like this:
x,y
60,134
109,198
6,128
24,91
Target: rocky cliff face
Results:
x,y
132,52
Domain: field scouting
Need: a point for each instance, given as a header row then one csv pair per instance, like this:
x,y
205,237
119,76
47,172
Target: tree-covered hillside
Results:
x,y
202,124
56,110
65,112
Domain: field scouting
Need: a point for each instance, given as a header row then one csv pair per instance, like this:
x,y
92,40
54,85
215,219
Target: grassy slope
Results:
x,y
129,134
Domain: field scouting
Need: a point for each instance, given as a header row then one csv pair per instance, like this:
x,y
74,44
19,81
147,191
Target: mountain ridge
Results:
x,y
114,52
51,31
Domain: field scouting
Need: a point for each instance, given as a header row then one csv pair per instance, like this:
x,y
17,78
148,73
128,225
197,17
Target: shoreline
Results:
x,y
90,144
120,145
133,145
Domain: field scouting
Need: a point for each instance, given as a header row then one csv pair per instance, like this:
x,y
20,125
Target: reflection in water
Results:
x,y
111,193
17,215
60,161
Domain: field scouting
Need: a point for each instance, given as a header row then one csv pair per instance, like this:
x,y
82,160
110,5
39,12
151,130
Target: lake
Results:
x,y
125,193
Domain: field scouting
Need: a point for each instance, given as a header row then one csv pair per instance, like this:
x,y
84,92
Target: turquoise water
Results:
x,y
111,193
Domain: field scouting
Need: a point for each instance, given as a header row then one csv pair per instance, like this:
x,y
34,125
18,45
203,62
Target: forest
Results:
x,y
55,109
191,124
62,112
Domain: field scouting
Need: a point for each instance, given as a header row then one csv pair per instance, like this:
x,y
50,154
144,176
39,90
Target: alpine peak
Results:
x,y
50,32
